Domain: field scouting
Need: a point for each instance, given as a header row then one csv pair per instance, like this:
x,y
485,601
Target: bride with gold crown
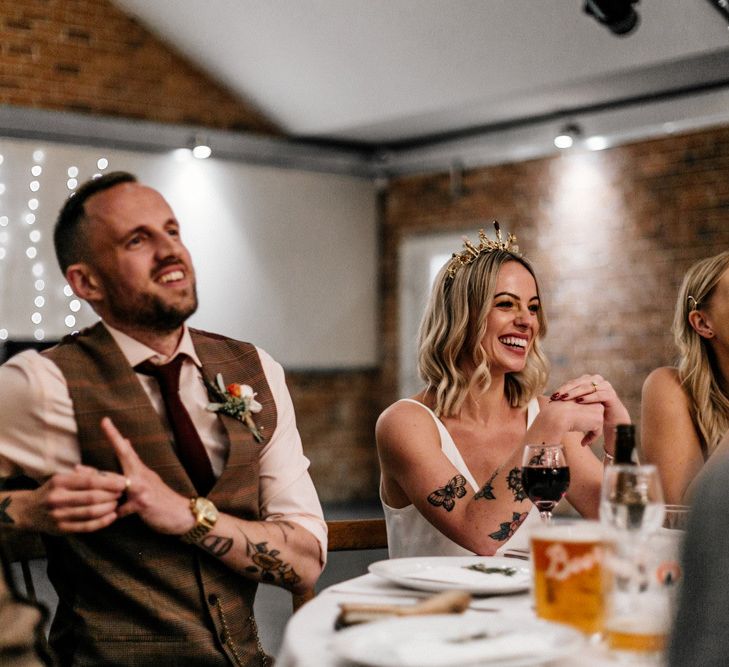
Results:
x,y
450,456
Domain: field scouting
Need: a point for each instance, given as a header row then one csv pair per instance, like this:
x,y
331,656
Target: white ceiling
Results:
x,y
384,71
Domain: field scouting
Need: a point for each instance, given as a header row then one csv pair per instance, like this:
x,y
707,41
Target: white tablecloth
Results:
x,y
309,632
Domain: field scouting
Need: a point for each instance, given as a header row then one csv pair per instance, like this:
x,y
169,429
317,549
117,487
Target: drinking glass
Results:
x,y
545,477
676,517
632,499
644,562
642,597
570,580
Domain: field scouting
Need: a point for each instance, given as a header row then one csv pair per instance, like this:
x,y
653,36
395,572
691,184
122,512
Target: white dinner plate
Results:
x,y
453,640
443,573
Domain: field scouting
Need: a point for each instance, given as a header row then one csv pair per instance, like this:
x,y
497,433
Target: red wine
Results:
x,y
545,485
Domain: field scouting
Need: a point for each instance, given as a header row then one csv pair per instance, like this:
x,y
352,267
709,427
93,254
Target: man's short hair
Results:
x,y
68,238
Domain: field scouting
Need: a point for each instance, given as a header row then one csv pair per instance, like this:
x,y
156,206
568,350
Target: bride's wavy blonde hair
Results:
x,y
698,370
453,326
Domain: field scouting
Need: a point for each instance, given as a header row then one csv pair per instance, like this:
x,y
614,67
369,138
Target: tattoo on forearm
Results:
x,y
4,516
508,528
217,546
446,496
487,490
513,481
282,526
268,565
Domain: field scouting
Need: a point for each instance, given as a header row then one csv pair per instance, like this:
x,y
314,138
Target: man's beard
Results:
x,y
149,311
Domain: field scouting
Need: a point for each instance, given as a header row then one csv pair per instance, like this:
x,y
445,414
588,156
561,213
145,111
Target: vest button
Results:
x,y
213,599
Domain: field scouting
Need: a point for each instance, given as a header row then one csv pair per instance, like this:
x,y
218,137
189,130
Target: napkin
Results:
x,y
447,602
421,652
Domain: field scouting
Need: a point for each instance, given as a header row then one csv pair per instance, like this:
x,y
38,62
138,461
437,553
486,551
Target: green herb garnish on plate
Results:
x,y
480,567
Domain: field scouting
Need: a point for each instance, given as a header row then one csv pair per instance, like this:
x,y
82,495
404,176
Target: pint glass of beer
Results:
x,y
642,601
570,580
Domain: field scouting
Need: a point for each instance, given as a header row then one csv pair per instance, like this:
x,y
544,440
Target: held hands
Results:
x,y
592,390
88,499
81,501
568,415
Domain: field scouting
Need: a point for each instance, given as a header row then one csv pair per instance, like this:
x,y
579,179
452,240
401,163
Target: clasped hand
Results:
x,y
594,408
88,499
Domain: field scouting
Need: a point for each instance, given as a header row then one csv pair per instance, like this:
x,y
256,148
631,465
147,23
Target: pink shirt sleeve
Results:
x,y
37,424
286,490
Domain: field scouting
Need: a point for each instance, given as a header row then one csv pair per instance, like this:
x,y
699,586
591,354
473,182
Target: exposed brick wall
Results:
x,y
88,56
336,413
610,234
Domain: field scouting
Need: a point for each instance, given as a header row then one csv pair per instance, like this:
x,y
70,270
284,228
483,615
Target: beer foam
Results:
x,y
578,532
639,624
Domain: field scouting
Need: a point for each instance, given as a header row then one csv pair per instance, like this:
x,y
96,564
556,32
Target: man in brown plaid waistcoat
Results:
x,y
156,541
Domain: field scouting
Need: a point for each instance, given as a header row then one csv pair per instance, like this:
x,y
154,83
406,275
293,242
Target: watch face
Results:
x,y
206,510
210,513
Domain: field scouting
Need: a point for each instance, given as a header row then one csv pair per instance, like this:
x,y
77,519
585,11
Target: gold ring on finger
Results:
x,y
594,386
127,483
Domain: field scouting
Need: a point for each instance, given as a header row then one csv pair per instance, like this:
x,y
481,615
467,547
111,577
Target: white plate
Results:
x,y
433,641
443,573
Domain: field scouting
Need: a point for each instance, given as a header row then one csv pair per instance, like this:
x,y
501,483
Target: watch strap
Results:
x,y
201,528
194,535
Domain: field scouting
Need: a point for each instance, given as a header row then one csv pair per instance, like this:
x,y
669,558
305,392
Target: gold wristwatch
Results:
x,y
206,514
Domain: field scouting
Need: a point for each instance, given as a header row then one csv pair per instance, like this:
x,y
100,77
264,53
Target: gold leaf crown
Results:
x,y
471,252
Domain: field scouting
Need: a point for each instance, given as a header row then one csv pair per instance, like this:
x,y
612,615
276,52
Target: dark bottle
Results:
x,y
627,492
624,444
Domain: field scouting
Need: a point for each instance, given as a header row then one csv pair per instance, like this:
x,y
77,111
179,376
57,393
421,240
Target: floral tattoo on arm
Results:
x,y
508,528
487,490
445,497
513,481
268,565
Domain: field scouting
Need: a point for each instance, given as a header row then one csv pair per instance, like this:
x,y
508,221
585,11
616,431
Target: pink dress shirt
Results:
x,y
38,433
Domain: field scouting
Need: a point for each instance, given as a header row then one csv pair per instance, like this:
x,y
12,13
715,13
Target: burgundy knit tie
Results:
x,y
189,447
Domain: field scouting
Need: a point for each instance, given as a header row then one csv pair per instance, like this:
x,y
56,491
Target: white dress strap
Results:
x,y
448,446
532,411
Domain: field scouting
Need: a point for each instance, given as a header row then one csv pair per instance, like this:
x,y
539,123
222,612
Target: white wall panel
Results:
x,y
284,258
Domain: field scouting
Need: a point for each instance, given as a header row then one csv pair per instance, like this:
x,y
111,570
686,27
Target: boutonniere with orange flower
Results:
x,y
237,401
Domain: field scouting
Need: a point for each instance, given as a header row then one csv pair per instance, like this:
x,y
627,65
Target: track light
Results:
x,y
618,16
568,135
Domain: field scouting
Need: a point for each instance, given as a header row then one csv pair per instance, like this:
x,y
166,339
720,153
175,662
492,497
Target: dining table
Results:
x,y
310,638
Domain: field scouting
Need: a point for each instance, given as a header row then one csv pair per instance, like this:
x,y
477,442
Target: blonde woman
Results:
x,y
685,410
450,456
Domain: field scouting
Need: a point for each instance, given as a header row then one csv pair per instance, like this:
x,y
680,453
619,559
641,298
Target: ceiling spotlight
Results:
x,y
618,16
596,143
201,149
568,135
